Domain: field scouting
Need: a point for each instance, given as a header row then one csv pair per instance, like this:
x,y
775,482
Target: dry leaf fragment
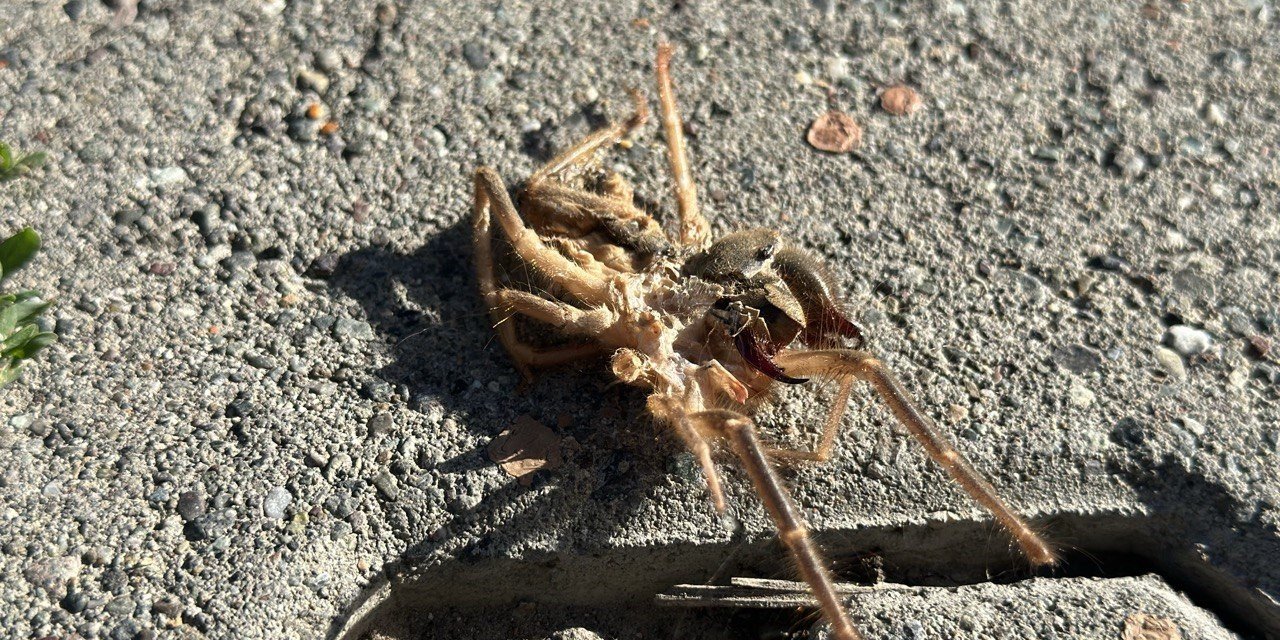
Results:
x,y
525,448
834,132
1143,626
899,100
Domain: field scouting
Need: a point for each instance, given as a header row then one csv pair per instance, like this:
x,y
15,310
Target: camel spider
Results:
x,y
706,327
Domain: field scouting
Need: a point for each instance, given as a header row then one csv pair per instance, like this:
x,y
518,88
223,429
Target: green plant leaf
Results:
x,y
18,249
14,343
6,157
9,373
34,160
19,313
31,345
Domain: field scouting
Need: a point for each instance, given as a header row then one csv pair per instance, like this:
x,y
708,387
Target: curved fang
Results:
x,y
833,321
760,357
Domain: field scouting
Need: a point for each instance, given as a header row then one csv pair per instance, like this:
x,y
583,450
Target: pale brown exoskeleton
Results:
x,y
707,327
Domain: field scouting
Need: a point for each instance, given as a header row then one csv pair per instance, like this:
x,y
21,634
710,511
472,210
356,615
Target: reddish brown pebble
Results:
x,y
314,111
161,268
899,100
328,128
1143,626
525,448
835,132
1259,347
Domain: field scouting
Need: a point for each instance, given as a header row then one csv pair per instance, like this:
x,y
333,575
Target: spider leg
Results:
x,y
740,432
615,186
830,429
554,206
694,230
569,319
848,364
490,194
702,451
582,152
491,199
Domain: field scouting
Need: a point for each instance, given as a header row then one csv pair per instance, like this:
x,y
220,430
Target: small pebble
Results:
x,y
324,266
1259,347
387,485
1081,396
476,55
329,60
1193,426
346,328
76,601
1171,362
1131,163
191,505
1078,359
1214,115
900,100
121,606
277,500
167,607
74,9
168,175
260,361
835,132
1188,341
337,465
313,80
576,633
379,424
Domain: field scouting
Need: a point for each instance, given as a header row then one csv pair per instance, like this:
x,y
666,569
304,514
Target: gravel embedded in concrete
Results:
x,y
243,291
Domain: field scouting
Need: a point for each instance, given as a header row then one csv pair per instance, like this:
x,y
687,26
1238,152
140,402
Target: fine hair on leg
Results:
x,y
739,431
588,146
694,230
849,363
491,200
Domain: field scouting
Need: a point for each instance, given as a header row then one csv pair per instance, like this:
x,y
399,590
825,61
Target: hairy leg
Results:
x,y
694,230
740,433
595,141
849,363
553,207
830,429
503,302
559,209
615,186
491,200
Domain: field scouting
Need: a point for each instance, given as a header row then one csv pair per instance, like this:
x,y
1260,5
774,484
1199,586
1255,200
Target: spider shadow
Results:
x,y
1204,540
447,363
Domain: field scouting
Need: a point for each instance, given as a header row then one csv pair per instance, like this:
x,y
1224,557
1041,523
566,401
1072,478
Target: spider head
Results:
x,y
758,311
773,293
743,263
736,258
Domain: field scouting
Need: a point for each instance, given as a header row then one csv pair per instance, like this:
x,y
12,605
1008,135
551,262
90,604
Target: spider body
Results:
x,y
706,327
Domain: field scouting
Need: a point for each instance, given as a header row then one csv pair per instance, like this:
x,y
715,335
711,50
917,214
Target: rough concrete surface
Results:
x,y
268,411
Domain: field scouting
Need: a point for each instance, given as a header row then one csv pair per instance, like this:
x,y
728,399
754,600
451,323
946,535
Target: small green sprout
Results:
x,y
20,336
11,169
